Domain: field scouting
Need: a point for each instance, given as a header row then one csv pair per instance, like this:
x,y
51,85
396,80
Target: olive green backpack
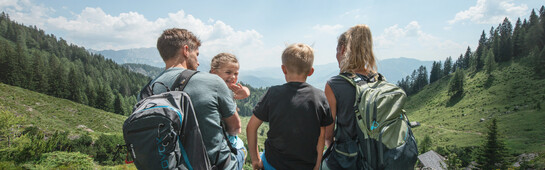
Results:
x,y
386,140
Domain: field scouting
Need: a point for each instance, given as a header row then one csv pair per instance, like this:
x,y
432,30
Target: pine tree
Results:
x,y
119,104
490,63
456,84
542,21
479,53
494,151
447,67
481,46
534,36
506,42
496,45
518,40
76,88
436,72
105,98
39,81
466,59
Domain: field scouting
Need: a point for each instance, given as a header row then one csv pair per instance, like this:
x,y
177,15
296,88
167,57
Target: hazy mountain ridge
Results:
x,y
394,69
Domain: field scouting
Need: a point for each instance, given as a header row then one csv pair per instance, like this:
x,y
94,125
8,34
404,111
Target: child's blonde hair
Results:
x,y
221,59
358,44
298,58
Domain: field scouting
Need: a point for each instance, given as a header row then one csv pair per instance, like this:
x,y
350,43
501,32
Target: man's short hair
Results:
x,y
298,58
170,42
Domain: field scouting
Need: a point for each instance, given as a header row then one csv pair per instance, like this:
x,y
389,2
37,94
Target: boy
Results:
x,y
297,114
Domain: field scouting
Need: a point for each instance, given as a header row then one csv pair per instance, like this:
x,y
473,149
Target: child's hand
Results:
x,y
258,164
241,92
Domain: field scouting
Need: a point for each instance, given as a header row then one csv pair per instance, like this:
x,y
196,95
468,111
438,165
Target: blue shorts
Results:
x,y
266,164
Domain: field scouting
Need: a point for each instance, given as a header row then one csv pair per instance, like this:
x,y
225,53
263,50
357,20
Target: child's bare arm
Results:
x,y
251,132
320,148
241,92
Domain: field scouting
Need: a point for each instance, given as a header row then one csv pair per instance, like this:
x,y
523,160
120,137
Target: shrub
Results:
x,y
65,160
105,147
82,144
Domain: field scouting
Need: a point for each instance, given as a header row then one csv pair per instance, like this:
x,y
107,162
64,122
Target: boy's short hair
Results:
x,y
221,59
170,42
298,58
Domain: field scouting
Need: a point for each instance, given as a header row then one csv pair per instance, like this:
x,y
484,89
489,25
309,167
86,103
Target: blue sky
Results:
x,y
257,31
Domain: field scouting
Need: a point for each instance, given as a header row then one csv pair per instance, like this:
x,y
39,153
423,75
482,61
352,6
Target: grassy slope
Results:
x,y
511,97
51,113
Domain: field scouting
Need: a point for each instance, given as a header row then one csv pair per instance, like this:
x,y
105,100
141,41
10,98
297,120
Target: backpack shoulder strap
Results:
x,y
183,79
146,91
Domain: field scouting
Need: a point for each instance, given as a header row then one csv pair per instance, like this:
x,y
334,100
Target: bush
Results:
x,y
8,165
65,160
82,144
105,147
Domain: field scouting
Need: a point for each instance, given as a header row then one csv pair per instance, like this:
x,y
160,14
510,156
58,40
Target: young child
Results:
x,y
297,114
226,66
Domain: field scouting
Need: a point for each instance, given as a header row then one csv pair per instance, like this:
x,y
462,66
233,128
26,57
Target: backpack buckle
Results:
x,y
375,125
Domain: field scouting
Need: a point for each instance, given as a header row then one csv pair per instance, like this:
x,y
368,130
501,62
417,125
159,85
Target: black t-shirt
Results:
x,y
295,112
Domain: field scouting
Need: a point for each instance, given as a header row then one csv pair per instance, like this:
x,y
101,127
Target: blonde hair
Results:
x,y
221,59
298,58
170,42
358,55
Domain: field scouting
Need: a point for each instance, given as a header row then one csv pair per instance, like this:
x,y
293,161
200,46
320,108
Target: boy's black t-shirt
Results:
x,y
295,112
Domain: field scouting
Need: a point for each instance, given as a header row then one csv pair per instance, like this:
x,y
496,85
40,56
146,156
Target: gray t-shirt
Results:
x,y
211,98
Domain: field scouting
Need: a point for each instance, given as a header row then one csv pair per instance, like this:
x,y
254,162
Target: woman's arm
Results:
x,y
333,107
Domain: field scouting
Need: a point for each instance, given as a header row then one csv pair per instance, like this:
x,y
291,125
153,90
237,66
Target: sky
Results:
x,y
257,31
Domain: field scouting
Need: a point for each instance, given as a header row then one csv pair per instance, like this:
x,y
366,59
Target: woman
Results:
x,y
354,55
381,111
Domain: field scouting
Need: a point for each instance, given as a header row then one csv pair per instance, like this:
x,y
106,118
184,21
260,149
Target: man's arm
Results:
x,y
251,132
232,124
320,148
333,108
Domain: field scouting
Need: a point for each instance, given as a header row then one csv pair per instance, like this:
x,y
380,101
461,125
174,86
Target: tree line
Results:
x,y
524,42
41,62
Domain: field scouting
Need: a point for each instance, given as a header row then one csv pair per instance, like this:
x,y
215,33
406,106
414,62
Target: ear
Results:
x,y
284,69
311,71
185,50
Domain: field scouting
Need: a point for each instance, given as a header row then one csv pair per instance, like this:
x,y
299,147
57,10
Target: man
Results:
x,y
211,98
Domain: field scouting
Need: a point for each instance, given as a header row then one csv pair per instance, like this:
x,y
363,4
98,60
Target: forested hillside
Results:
x,y
504,43
41,62
487,106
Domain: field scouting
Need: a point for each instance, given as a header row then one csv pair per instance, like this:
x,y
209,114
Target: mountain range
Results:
x,y
394,69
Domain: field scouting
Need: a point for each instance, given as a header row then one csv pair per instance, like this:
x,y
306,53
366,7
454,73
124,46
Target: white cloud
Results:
x,y
490,12
327,29
95,29
393,34
23,11
410,41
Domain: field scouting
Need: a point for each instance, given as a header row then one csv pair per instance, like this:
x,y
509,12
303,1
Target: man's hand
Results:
x,y
241,92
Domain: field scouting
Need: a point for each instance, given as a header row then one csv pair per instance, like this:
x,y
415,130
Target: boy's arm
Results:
x,y
251,132
320,148
333,108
